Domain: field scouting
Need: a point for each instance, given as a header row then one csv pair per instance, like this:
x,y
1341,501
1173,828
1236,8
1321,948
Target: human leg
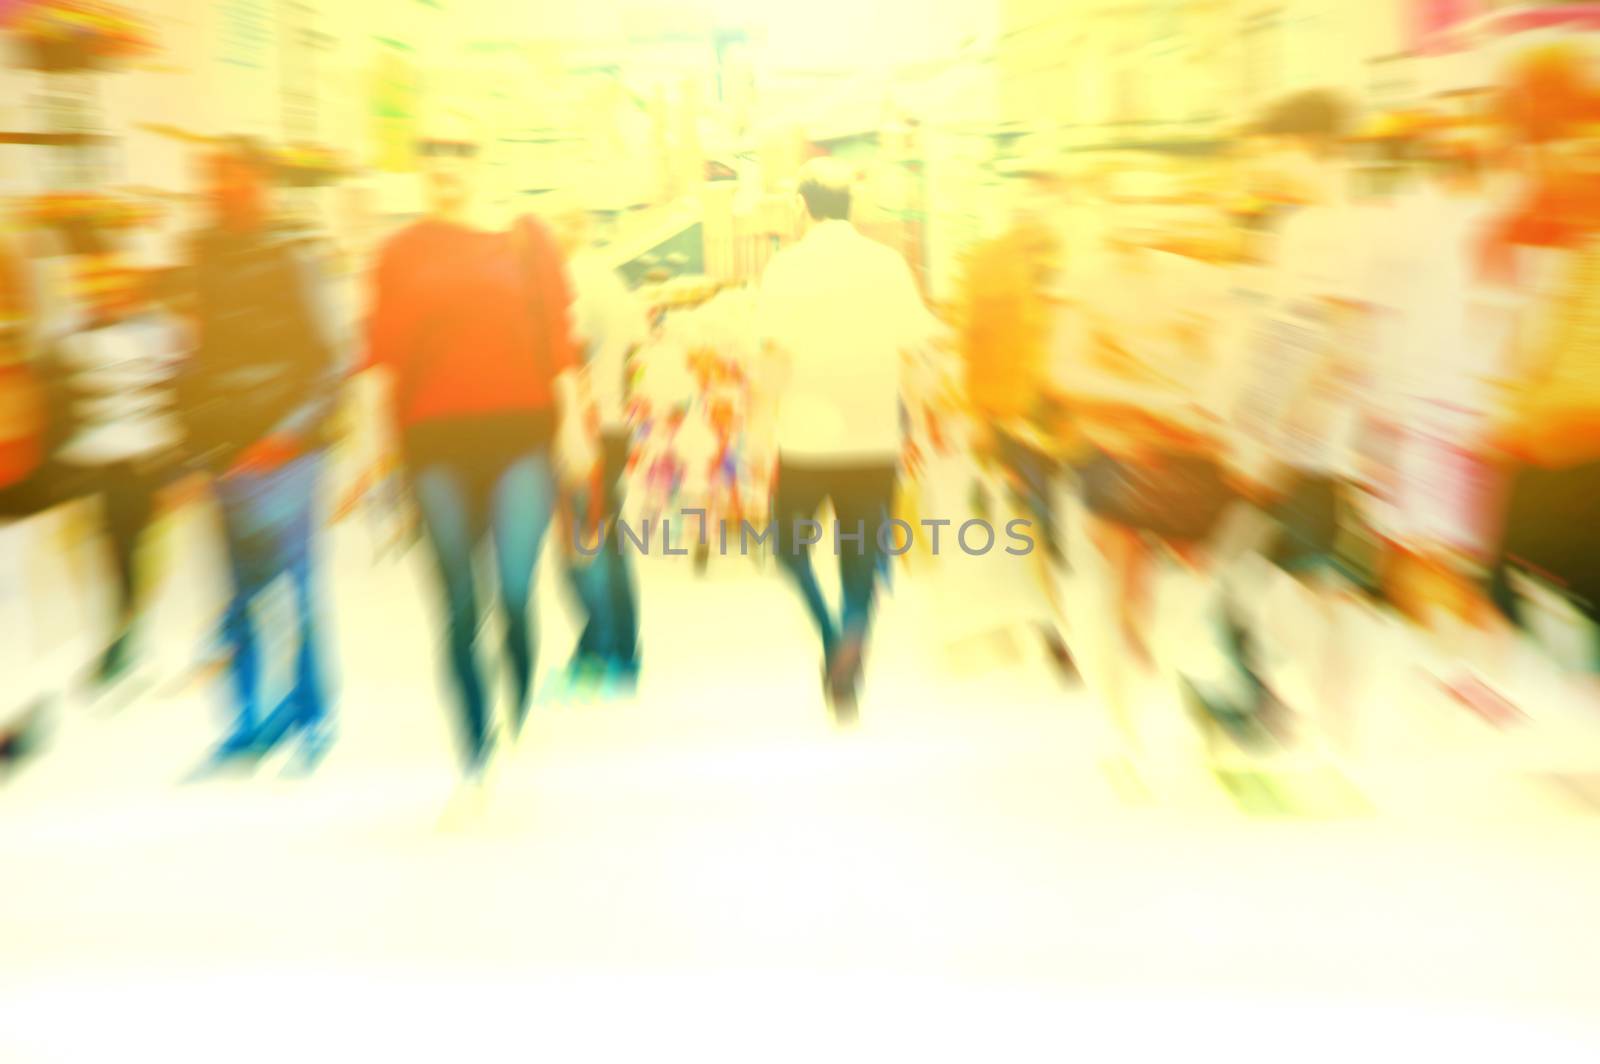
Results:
x,y
521,502
444,498
861,501
800,493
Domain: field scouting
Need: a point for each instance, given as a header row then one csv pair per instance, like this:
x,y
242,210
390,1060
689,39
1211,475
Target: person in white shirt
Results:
x,y
114,377
838,315
1302,396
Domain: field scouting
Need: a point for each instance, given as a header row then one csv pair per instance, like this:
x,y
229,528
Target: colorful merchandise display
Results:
x,y
67,35
310,165
695,384
91,210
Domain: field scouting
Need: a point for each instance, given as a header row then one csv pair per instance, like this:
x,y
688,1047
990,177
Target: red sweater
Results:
x,y
471,322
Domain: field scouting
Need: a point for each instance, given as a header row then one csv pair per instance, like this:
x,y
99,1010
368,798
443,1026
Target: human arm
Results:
x,y
322,366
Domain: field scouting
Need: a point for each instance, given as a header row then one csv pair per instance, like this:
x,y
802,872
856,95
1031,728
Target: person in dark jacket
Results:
x,y
258,401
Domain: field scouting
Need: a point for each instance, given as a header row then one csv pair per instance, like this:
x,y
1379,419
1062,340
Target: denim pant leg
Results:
x,y
863,506
238,625
800,494
601,577
311,695
449,513
269,519
520,506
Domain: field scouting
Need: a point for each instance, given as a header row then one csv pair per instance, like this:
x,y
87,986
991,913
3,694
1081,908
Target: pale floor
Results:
x,y
712,871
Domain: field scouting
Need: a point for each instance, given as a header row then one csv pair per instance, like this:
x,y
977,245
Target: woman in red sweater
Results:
x,y
472,328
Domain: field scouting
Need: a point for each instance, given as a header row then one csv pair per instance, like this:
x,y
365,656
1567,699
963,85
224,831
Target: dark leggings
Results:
x,y
127,497
485,478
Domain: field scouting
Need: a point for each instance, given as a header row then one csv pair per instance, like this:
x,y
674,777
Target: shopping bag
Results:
x,y
1173,496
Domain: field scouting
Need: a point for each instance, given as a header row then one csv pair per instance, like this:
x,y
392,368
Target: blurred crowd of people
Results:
x,y
1358,375
1331,384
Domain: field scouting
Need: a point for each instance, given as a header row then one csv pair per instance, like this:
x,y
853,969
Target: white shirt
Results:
x,y
122,377
1283,413
607,322
844,312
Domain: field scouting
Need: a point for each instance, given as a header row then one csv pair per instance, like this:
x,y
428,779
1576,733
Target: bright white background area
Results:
x,y
713,871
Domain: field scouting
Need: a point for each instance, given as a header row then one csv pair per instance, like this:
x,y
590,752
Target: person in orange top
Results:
x,y
471,328
22,405
1548,431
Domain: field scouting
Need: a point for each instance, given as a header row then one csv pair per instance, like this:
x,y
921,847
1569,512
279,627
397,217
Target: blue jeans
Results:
x,y
603,580
862,494
268,519
462,502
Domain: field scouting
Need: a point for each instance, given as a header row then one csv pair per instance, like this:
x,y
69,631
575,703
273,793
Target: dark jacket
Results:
x,y
266,360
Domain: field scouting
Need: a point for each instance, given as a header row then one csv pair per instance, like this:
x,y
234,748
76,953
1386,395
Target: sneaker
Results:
x,y
23,737
842,680
1060,657
114,663
315,741
620,681
238,754
586,673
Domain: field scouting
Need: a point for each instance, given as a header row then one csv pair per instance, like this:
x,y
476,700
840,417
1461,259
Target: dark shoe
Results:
x,y
114,663
23,738
477,767
286,719
578,682
316,739
621,680
585,670
842,680
1060,657
1242,725
243,742
843,703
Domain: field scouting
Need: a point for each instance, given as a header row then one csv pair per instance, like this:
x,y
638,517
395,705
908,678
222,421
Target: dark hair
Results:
x,y
1315,114
824,202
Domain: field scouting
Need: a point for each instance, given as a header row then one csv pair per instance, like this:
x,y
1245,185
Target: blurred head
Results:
x,y
569,223
1546,93
239,183
825,189
448,155
1297,140
1568,181
1036,238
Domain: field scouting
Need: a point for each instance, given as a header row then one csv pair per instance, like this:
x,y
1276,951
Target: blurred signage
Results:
x,y
396,90
246,31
